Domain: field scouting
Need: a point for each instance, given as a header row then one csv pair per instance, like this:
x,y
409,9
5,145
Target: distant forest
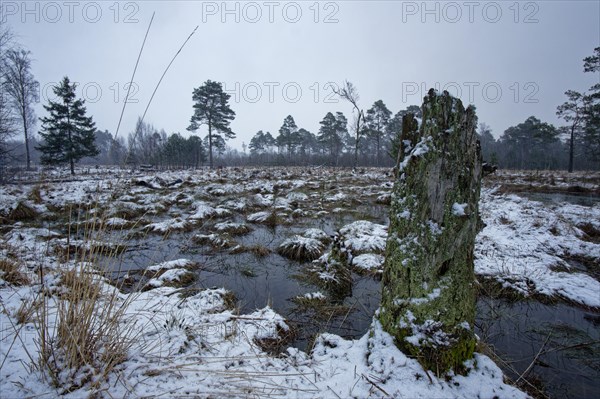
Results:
x,y
532,144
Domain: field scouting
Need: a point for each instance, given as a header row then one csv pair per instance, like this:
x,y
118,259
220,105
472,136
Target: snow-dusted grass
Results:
x,y
524,241
363,236
301,248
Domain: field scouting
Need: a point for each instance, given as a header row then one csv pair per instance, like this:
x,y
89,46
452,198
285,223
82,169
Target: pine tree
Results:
x,y
68,134
591,133
257,143
376,121
328,136
573,112
288,135
212,108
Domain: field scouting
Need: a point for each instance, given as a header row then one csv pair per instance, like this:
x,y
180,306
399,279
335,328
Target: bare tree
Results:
x,y
7,121
349,93
7,127
145,143
21,90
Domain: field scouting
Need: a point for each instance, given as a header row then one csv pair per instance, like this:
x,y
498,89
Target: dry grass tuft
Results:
x,y
259,251
22,212
11,273
591,233
234,229
82,332
36,195
275,346
214,240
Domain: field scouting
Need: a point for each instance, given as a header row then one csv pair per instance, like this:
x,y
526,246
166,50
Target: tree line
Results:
x,y
69,136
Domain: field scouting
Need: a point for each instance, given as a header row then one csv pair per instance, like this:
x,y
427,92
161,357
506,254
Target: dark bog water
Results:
x,y
567,338
558,198
568,367
270,280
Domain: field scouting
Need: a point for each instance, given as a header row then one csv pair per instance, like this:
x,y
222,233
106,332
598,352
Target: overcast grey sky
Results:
x,y
511,59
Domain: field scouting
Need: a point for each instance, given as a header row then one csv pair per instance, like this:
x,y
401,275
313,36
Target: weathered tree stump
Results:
x,y
428,294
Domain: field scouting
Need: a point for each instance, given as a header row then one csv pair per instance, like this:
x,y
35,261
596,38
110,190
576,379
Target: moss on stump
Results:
x,y
428,293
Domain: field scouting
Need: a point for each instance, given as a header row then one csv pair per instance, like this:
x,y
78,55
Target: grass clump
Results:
x,y
22,212
9,272
301,248
590,232
234,229
83,334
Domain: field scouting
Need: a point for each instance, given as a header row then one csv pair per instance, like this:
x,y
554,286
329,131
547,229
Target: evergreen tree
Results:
x,y
591,130
288,135
257,143
195,151
376,121
573,112
307,142
68,133
174,150
328,136
261,143
341,129
270,142
211,108
530,144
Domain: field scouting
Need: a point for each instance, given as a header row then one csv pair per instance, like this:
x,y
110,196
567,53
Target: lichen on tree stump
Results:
x,y
428,291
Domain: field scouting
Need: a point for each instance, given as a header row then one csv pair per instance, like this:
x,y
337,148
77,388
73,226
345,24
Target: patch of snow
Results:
x,y
364,236
459,209
314,296
259,217
316,234
368,261
172,264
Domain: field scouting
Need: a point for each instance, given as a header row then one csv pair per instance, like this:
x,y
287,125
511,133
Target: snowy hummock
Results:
x,y
364,236
202,211
301,248
177,263
171,275
168,225
316,234
259,217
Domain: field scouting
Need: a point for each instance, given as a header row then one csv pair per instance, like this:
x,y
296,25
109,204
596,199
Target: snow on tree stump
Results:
x,y
428,293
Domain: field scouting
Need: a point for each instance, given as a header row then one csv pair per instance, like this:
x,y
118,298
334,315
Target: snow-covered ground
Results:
x,y
526,246
196,344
